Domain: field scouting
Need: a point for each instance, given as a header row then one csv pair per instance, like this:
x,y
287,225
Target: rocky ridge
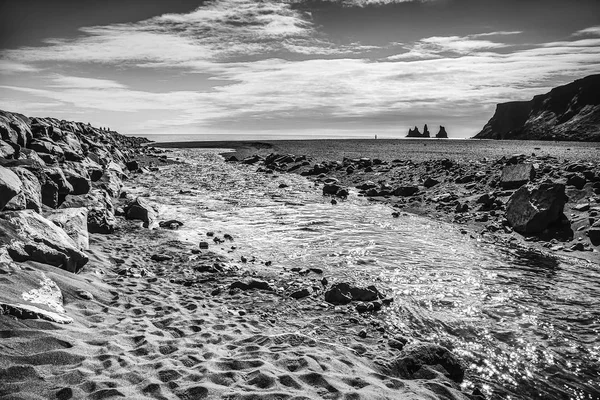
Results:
x,y
570,112
59,181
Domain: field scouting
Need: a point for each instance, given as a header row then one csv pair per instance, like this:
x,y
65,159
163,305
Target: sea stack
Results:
x,y
442,134
414,133
426,133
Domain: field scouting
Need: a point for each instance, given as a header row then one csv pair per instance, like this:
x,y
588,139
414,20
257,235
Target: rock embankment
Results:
x,y
570,112
522,198
58,181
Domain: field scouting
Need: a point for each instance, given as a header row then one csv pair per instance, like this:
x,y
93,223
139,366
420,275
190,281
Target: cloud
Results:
x,y
73,82
240,48
591,31
8,67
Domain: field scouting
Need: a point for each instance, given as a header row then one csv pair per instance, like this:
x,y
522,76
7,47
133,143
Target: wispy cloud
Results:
x,y
267,62
591,31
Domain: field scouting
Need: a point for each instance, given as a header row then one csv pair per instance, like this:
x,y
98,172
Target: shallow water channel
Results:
x,y
528,326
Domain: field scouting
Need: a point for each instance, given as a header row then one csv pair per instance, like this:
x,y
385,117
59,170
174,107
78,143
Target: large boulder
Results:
x,y
414,358
74,222
111,182
32,295
47,147
6,150
31,195
26,235
533,207
14,128
10,186
343,293
140,209
77,175
101,213
63,187
516,175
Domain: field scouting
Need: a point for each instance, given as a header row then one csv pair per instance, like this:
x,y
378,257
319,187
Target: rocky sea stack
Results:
x,y
415,133
569,112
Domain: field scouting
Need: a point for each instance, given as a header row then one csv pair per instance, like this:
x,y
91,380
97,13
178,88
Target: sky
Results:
x,y
289,68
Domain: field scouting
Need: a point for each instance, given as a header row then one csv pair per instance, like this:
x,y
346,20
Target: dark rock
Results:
x,y
10,186
594,235
132,165
442,134
406,191
299,294
517,175
251,284
414,357
56,186
27,235
532,208
203,245
343,293
170,224
430,182
140,209
578,180
160,257
339,293
331,189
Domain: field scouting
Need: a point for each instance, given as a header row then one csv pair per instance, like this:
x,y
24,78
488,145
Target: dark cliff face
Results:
x,y
569,112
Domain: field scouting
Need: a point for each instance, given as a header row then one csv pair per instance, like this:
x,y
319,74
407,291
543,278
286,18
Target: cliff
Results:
x,y
569,112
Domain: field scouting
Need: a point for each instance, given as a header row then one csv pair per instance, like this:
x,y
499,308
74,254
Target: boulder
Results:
x,y
32,295
140,209
101,213
132,165
251,284
31,195
77,175
74,222
6,150
343,293
10,186
516,175
63,187
430,182
27,235
110,182
406,191
14,128
331,189
533,207
414,357
47,147
577,179
339,293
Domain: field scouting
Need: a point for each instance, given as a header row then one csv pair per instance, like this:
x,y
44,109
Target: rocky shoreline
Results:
x,y
534,202
98,298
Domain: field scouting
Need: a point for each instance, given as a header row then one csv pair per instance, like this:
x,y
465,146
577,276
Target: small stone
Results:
x,y
85,295
204,245
362,333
